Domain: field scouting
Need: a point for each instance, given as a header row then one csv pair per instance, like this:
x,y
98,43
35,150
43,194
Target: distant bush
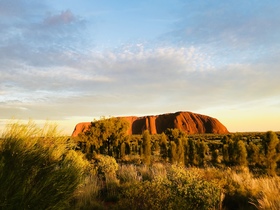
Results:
x,y
38,169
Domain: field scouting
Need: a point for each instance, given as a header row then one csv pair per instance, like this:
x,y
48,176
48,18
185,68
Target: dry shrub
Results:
x,y
128,174
158,171
247,192
87,195
145,173
269,191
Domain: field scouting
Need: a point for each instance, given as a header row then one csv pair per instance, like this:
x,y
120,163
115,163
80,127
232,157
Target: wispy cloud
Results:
x,y
132,78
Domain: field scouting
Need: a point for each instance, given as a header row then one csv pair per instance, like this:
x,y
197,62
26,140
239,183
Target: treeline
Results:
x,y
109,137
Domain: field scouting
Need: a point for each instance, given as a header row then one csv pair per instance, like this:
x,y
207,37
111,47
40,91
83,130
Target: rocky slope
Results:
x,y
189,122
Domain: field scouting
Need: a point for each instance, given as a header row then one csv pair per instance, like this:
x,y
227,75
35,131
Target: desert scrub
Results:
x,y
269,188
191,191
37,172
170,187
145,196
106,167
243,191
128,174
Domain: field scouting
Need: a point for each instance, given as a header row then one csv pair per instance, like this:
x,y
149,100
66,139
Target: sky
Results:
x,y
69,61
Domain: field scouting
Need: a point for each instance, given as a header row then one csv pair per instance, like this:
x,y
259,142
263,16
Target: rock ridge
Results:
x,y
189,122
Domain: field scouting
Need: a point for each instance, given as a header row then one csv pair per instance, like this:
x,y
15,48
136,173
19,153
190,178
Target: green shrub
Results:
x,y
107,174
192,191
107,167
145,196
38,169
172,187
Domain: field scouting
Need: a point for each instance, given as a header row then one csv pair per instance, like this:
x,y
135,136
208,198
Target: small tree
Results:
x,y
270,142
180,152
202,149
105,136
163,147
241,153
226,154
215,157
146,147
232,152
193,158
174,133
156,148
253,154
123,147
187,152
173,153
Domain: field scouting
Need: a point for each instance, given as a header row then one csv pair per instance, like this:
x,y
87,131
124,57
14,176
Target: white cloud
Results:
x,y
133,81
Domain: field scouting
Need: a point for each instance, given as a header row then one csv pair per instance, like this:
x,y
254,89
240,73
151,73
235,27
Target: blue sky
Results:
x,y
72,61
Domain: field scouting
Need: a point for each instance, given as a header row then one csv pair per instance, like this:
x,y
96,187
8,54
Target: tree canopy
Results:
x,y
105,136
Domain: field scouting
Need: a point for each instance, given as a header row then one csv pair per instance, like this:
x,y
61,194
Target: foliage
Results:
x,y
38,168
269,193
146,147
163,147
105,136
260,152
106,167
171,187
145,196
241,153
270,143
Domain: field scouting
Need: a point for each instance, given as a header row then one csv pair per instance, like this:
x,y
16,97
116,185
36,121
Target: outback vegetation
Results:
x,y
104,168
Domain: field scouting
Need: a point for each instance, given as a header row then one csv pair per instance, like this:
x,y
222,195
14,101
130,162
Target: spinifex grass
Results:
x,y
38,168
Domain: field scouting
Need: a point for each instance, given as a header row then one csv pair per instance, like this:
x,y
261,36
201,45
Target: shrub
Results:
x,y
128,174
145,196
38,169
107,175
270,191
107,167
172,187
192,191
246,192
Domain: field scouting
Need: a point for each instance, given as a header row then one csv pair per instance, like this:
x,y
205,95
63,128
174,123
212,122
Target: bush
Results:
x,y
191,191
38,169
128,174
107,167
145,196
171,187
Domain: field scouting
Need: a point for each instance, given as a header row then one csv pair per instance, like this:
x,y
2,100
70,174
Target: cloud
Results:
x,y
31,30
65,17
133,80
232,21
230,31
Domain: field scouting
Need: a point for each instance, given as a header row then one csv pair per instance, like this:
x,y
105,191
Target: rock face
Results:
x,y
189,122
81,127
